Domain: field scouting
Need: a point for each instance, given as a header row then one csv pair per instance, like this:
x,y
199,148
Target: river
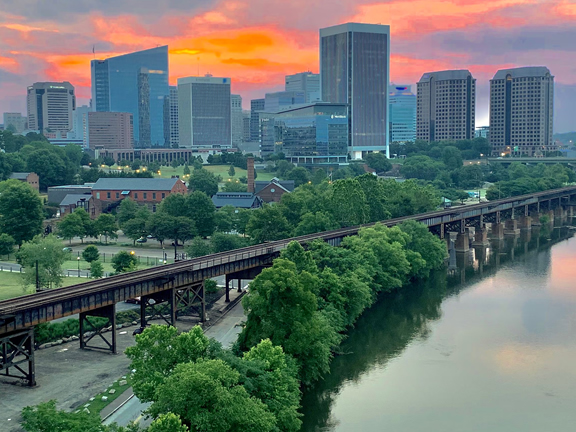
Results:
x,y
489,345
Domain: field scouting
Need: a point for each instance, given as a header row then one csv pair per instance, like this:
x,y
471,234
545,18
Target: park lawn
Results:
x,y
221,170
97,404
11,285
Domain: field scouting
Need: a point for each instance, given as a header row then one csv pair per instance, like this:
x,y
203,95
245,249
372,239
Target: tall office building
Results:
x,y
446,106
402,114
355,70
237,120
109,130
16,121
50,106
204,112
279,101
522,111
173,108
256,106
79,122
136,83
306,82
246,127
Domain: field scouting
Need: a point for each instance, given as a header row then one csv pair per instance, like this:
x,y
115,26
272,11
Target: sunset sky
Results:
x,y
257,42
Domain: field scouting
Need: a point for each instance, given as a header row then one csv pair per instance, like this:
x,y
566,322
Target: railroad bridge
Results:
x,y
174,288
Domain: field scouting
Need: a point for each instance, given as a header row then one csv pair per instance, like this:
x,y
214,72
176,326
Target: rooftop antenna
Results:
x,y
93,51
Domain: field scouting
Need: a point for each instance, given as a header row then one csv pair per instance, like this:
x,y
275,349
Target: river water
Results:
x,y
489,345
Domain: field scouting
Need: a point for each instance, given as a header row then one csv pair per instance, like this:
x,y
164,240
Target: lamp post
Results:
x,y
78,259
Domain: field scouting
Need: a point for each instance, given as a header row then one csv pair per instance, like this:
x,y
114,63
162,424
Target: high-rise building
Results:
x,y
246,125
173,107
136,83
482,132
402,114
237,120
109,130
204,112
446,106
522,111
279,101
355,70
306,82
15,121
50,106
79,130
256,106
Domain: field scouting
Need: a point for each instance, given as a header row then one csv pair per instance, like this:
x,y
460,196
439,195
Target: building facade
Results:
x,y
256,106
237,119
312,134
482,132
79,117
279,101
355,70
15,121
109,130
446,106
173,113
246,126
522,111
136,83
402,114
204,112
306,82
50,106
27,177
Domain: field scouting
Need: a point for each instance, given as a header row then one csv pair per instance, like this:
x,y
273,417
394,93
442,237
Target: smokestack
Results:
x,y
250,169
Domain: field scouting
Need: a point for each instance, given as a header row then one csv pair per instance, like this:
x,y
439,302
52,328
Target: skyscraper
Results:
x,y
109,130
402,114
306,82
173,107
237,119
204,112
50,106
355,69
446,106
15,120
256,106
279,101
136,83
522,111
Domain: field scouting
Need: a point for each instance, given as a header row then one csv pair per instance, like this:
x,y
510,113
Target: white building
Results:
x,y
50,106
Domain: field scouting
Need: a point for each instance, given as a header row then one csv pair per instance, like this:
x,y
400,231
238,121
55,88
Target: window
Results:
x,y
117,195
145,195
163,195
135,195
107,194
153,195
97,195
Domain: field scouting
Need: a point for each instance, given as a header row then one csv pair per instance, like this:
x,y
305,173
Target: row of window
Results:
x,y
144,195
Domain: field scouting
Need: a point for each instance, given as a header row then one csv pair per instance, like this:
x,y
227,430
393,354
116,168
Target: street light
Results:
x,y
78,259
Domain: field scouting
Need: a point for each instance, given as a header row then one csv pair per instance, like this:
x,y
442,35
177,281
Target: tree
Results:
x,y
198,247
96,269
234,186
201,210
91,254
6,244
422,242
266,224
186,170
318,176
21,212
167,423
204,181
378,162
87,223
375,197
231,171
106,225
221,405
300,176
126,211
316,222
45,418
224,242
348,203
71,226
48,254
421,167
49,166
175,228
224,218
134,229
452,157
124,261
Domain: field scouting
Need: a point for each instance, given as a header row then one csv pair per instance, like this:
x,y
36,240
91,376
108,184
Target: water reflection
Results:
x,y
455,351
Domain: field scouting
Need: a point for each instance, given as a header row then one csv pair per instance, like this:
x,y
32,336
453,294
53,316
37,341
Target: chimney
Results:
x,y
250,169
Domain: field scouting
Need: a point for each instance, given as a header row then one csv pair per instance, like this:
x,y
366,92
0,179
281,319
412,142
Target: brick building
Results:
x,y
30,178
273,190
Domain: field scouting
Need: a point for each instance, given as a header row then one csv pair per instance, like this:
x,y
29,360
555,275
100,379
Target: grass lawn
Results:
x,y
221,170
97,404
11,285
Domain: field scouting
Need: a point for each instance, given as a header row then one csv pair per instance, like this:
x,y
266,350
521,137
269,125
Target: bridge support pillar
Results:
x,y
525,222
535,218
462,242
17,356
108,312
191,299
481,237
570,211
559,213
450,238
550,214
511,227
471,231
497,231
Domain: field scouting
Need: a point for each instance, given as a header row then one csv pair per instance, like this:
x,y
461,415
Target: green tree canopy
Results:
x,y
198,247
106,225
127,210
47,251
71,226
202,212
300,175
21,212
204,181
124,261
96,269
6,244
378,162
348,203
266,224
91,254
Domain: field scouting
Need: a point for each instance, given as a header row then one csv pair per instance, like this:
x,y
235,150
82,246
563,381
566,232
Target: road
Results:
x,y
224,331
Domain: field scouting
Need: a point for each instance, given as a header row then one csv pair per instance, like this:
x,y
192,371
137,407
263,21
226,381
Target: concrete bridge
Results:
x,y
178,288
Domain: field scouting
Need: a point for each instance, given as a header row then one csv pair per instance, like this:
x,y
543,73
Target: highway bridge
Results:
x,y
179,287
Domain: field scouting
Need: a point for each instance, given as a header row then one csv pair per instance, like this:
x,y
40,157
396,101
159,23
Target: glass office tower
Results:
x,y
355,69
402,114
136,83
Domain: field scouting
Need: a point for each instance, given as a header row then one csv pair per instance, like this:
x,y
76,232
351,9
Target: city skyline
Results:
x,y
257,46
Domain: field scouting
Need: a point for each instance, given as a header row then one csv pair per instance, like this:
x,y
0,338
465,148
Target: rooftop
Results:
x,y
19,176
446,75
236,199
287,185
522,72
135,184
74,198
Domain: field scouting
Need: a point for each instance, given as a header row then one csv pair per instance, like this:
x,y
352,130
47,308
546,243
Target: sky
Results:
x,y
258,42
